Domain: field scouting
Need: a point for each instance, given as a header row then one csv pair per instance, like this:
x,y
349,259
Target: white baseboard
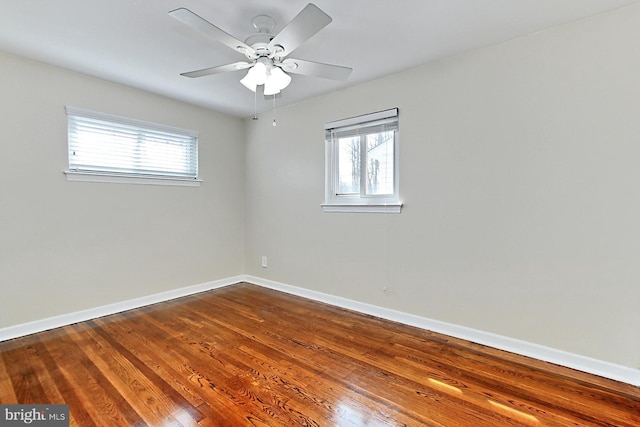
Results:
x,y
559,357
23,329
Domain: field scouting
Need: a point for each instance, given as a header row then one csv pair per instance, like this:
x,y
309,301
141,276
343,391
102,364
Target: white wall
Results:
x,y
69,246
520,178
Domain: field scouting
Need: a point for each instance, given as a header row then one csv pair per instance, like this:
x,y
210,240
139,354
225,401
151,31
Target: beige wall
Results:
x,y
520,178
69,246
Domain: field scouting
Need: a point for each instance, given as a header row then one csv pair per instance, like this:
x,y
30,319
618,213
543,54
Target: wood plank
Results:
x,y
80,416
249,356
7,394
189,367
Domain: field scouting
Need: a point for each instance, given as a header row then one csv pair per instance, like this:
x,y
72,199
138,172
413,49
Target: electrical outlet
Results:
x,y
265,264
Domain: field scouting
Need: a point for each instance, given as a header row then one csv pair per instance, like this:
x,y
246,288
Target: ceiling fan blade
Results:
x,y
220,69
203,26
309,21
316,69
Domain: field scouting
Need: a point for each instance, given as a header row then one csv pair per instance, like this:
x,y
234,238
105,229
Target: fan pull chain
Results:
x,y
255,105
274,111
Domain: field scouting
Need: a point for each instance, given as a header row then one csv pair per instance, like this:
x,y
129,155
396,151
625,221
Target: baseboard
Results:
x,y
559,357
23,329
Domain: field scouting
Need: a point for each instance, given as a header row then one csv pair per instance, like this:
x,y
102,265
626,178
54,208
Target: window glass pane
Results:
x,y
379,163
103,149
349,165
156,154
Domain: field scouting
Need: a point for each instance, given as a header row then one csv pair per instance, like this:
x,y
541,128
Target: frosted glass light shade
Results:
x,y
280,78
277,81
270,88
257,75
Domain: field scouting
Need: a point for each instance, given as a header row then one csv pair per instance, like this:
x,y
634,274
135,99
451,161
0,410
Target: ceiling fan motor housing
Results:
x,y
264,26
260,43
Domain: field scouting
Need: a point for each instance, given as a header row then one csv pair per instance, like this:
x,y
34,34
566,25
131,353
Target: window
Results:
x,y
362,164
108,148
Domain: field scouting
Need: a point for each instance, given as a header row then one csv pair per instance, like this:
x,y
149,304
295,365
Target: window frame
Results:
x,y
378,203
86,173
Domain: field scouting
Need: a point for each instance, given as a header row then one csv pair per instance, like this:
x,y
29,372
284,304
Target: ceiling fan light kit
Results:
x,y
264,72
266,54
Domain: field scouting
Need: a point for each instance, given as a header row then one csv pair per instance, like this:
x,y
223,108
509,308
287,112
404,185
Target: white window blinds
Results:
x,y
382,121
102,143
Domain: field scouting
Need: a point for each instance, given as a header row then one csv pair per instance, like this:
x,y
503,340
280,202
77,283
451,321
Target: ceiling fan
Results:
x,y
267,55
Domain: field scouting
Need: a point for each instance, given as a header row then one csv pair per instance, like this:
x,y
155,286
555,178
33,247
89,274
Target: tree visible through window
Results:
x,y
379,162
349,165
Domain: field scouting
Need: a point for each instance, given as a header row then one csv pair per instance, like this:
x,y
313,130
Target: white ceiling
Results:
x,y
136,42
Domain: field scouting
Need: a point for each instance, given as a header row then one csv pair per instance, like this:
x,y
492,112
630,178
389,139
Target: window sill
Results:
x,y
376,208
130,179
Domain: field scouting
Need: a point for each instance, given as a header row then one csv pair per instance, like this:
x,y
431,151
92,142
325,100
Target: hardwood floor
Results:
x,y
248,356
